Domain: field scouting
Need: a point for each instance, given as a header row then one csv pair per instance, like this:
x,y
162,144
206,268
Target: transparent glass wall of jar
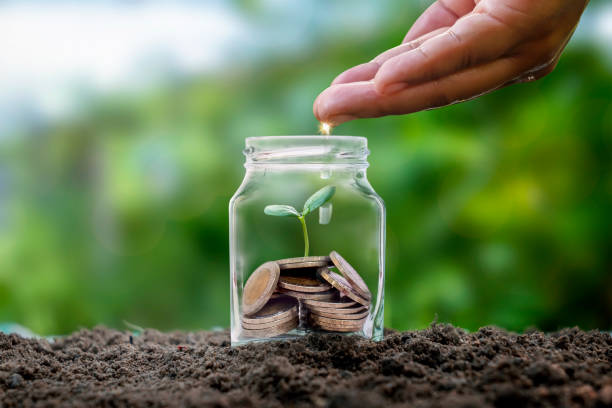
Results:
x,y
278,293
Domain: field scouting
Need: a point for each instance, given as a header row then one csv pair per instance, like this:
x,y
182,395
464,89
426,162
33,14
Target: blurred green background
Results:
x,y
113,196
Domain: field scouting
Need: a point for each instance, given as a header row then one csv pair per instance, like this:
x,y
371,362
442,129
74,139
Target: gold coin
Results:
x,y
272,331
304,262
338,303
279,307
259,287
328,295
351,275
342,285
302,284
343,316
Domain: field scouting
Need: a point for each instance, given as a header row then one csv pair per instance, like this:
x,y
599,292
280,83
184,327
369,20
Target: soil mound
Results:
x,y
438,367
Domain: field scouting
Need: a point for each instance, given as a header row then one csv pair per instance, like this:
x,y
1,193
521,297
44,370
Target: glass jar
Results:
x,y
307,241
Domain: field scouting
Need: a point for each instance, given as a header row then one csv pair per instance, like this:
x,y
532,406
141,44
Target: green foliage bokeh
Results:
x,y
499,209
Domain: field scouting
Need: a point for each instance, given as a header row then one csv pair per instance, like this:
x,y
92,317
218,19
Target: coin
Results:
x,y
304,262
351,275
272,331
259,287
343,316
337,329
328,295
345,310
302,284
342,285
276,295
338,303
337,324
277,309
271,324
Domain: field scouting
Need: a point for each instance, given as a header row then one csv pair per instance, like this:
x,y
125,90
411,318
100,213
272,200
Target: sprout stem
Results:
x,y
306,243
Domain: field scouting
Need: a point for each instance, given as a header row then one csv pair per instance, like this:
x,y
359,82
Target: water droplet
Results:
x,y
325,213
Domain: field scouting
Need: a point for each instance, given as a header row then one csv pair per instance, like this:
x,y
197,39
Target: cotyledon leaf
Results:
x,y
318,199
281,211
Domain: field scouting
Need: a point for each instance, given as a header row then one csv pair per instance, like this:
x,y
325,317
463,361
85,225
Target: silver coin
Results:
x,y
328,295
272,331
304,262
358,308
338,325
259,287
269,324
343,316
278,308
302,284
337,303
351,275
338,282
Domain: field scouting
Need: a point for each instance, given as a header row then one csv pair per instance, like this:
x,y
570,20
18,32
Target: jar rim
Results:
x,y
306,149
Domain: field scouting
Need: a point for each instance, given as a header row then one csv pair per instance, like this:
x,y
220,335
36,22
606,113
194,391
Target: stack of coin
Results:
x,y
277,291
349,313
262,315
298,278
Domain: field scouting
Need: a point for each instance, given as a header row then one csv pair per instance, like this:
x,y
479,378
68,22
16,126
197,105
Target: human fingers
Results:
x,y
474,39
361,72
442,13
540,69
538,72
408,46
344,102
367,71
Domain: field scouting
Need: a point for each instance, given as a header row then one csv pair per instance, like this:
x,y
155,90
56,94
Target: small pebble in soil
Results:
x,y
15,380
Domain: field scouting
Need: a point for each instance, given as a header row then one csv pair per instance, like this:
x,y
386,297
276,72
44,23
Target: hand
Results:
x,y
455,51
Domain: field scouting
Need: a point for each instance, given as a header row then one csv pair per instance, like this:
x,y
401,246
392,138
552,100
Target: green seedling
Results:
x,y
314,201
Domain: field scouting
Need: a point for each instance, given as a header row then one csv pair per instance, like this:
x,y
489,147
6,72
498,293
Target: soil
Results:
x,y
441,366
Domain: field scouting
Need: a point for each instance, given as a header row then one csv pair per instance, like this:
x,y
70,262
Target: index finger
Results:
x,y
442,13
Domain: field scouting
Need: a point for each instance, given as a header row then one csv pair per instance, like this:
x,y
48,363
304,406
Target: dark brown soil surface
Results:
x,y
442,366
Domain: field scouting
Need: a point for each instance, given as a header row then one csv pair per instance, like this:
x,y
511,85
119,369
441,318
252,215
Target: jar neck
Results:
x,y
297,170
306,152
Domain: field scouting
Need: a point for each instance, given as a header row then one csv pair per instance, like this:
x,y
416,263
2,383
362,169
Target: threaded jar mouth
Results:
x,y
333,150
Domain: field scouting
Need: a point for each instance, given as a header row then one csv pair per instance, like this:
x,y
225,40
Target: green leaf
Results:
x,y
318,199
281,211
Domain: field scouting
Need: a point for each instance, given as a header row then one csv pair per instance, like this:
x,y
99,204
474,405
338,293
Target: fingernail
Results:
x,y
394,88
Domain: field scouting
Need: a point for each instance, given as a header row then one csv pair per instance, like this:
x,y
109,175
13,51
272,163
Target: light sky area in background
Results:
x,y
53,52
49,51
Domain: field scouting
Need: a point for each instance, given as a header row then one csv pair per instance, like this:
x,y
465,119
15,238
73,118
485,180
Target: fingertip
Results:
x,y
329,107
323,104
315,107
340,119
341,103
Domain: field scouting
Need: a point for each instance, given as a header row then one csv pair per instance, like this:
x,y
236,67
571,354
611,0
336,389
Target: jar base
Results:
x,y
302,332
